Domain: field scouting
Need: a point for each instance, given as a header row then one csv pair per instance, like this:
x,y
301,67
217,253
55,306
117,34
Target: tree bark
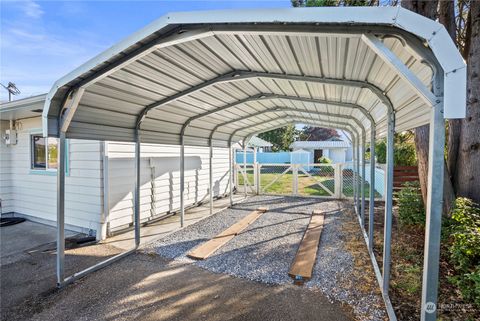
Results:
x,y
429,10
421,147
425,8
468,162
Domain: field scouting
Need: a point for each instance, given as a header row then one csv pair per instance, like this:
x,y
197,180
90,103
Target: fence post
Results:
x,y
257,169
295,179
337,178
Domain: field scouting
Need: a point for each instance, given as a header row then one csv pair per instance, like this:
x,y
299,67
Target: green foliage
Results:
x,y
281,138
405,154
464,248
314,3
469,285
410,205
329,3
404,150
324,160
381,151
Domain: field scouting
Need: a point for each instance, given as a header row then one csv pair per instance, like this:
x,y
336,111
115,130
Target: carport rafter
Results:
x,y
269,96
239,75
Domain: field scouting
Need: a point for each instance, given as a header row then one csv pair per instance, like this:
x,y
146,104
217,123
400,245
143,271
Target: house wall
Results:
x,y
5,173
30,193
337,155
160,179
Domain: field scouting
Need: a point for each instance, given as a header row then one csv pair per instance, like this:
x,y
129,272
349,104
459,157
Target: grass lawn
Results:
x,y
306,185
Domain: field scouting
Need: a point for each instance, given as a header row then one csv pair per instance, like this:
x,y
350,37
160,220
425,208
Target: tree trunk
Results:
x,y
426,8
429,10
421,147
468,162
446,16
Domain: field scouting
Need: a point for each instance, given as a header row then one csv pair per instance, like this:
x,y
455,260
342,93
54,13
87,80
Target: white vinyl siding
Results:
x,y
5,172
33,193
160,179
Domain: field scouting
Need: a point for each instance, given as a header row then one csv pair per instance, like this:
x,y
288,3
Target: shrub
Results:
x,y
464,248
410,205
404,153
324,160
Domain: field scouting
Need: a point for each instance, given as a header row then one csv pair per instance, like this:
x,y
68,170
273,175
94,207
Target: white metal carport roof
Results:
x,y
213,78
244,66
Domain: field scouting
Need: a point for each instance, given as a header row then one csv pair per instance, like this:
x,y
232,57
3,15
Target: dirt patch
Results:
x,y
361,276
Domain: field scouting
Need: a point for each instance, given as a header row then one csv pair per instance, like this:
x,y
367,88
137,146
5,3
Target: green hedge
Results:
x,y
464,248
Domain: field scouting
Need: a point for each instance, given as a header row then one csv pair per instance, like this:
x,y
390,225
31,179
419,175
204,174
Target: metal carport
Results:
x,y
213,78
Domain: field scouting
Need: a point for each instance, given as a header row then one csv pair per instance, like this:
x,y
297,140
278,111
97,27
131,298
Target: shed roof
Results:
x,y
226,75
256,141
320,144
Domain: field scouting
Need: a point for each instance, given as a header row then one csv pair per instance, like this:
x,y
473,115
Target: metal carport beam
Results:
x,y
286,110
243,75
399,67
270,96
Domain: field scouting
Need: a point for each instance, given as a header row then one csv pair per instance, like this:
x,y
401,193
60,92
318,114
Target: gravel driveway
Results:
x,y
266,249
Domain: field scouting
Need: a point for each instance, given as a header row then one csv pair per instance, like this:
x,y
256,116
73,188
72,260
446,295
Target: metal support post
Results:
x,y
137,189
182,180
434,206
387,231
245,167
354,185
372,189
210,176
255,169
61,279
61,210
362,181
358,175
230,172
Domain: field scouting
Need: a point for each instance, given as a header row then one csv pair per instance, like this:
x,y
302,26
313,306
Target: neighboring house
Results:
x,y
100,175
262,145
336,151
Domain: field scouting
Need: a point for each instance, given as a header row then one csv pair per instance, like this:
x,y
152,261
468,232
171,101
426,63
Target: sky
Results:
x,y
41,41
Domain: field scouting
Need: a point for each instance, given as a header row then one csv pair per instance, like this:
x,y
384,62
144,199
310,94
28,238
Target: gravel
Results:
x,y
266,249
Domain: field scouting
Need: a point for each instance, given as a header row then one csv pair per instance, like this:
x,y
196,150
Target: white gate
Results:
x,y
315,180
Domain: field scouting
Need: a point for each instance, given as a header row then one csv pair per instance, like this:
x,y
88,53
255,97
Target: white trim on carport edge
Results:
x,y
449,74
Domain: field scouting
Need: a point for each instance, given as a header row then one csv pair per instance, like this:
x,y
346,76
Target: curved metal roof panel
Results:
x,y
221,75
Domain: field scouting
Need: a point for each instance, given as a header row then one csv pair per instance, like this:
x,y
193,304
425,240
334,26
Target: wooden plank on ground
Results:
x,y
302,266
208,248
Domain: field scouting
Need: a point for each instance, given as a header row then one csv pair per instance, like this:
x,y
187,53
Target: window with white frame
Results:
x,y
44,153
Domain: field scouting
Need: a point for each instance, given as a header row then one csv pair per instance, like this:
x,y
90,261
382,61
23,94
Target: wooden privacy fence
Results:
x,y
402,175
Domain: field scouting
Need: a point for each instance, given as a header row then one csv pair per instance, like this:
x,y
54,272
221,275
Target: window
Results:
x,y
44,153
